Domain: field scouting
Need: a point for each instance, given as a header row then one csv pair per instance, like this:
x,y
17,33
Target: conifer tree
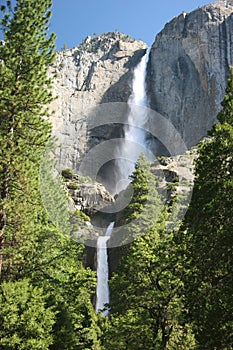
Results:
x,y
56,265
145,206
207,235
25,55
144,191
146,305
146,297
31,246
25,320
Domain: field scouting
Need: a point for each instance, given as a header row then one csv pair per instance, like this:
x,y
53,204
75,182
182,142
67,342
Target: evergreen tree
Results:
x,y
25,56
146,305
57,267
145,195
31,246
146,301
145,206
207,235
25,320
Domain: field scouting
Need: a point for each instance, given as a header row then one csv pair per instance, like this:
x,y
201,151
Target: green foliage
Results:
x,y
25,320
67,173
53,193
142,183
72,186
168,288
146,305
46,292
146,301
226,114
145,206
24,95
82,216
60,272
207,236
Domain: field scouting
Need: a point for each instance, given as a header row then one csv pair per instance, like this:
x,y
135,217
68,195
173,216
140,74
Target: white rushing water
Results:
x,y
134,142
102,290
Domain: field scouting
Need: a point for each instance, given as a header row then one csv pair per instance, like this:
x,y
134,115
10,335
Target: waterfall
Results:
x,y
138,96
134,142
102,290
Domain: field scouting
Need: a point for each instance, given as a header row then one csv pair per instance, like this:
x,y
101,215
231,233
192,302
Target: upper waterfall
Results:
x,y
138,96
134,142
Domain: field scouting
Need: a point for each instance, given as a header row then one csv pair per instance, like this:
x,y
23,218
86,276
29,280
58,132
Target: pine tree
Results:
x,y
56,266
32,247
25,320
25,55
207,235
145,206
146,297
144,191
146,305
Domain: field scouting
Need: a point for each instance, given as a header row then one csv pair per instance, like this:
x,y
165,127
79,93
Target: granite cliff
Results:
x,y
187,71
186,79
188,68
97,71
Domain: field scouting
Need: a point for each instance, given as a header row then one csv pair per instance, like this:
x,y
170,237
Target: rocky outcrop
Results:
x,y
87,195
188,69
97,71
175,173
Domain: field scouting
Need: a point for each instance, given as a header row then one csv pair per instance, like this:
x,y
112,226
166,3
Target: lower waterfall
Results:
x,y
102,290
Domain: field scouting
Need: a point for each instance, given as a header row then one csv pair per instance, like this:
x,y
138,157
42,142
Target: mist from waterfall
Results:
x,y
134,141
102,290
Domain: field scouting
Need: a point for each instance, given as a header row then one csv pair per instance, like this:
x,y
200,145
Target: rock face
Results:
x,y
188,69
88,196
176,175
186,74
97,71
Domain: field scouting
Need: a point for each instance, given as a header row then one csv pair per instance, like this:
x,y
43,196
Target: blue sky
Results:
x,y
73,20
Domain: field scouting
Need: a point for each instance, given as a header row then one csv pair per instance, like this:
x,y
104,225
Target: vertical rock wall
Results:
x,y
188,69
187,73
97,71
